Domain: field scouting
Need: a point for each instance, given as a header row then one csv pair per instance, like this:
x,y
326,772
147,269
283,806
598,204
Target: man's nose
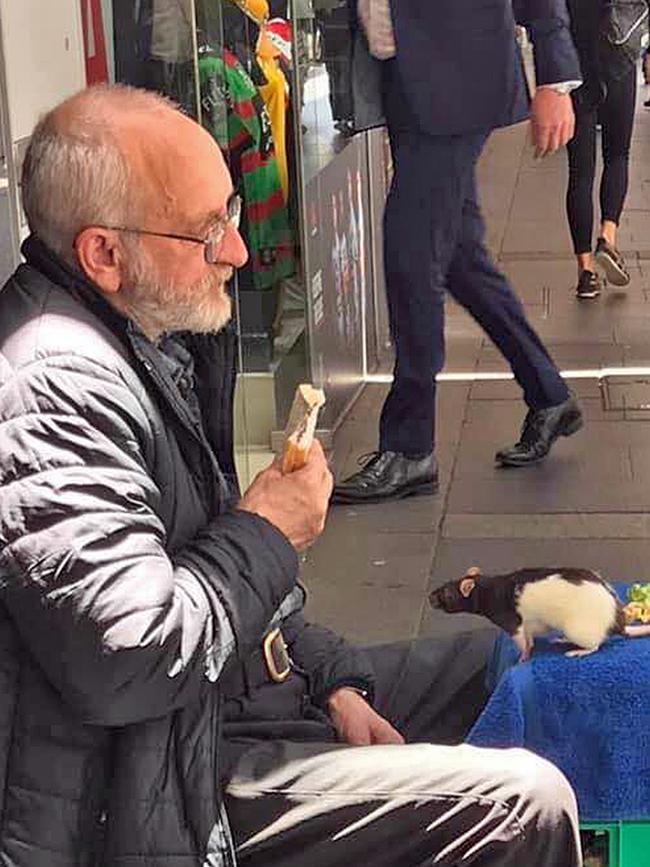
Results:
x,y
233,249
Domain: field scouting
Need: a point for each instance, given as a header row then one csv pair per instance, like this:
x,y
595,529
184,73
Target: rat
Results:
x,y
530,602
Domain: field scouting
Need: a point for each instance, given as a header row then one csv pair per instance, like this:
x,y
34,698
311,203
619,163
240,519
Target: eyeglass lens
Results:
x,y
215,239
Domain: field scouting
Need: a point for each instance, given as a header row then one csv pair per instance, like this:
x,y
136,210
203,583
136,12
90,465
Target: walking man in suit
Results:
x,y
451,73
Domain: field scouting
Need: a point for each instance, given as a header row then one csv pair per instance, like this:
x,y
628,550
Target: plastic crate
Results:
x,y
616,844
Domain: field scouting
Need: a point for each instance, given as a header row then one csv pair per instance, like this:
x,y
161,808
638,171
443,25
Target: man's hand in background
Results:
x,y
552,120
356,723
296,503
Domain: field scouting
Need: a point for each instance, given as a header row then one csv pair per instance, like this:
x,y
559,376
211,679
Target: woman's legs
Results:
x,y
617,118
579,198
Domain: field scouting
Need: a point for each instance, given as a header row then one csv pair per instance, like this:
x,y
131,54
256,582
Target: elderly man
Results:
x,y
149,711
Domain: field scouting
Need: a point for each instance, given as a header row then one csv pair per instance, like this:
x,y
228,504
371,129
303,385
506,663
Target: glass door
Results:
x,y
228,63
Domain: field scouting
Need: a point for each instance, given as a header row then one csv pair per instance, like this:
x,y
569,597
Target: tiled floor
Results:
x,y
588,505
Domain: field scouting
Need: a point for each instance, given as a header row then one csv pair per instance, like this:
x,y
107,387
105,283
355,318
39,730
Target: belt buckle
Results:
x,y
276,656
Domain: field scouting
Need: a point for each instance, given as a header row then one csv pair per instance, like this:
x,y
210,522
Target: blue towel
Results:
x,y
590,716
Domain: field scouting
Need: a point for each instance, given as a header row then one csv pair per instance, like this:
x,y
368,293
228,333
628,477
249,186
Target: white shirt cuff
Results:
x,y
562,86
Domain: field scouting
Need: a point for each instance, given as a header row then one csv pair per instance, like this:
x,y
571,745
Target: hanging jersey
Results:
x,y
246,134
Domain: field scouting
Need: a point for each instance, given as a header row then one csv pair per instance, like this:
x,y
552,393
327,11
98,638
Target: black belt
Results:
x,y
269,664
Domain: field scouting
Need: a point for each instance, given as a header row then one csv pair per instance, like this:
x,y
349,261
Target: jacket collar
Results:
x,y
52,266
216,412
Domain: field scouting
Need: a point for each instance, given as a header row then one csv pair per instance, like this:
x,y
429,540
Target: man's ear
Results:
x,y
100,258
466,587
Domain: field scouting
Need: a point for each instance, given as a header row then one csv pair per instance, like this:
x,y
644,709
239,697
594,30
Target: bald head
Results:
x,y
112,156
112,177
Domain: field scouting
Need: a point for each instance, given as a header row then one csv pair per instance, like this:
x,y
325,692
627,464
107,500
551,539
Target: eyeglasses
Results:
x,y
212,241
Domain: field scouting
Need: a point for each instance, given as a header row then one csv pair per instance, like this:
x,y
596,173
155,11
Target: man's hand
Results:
x,y
296,503
552,120
357,723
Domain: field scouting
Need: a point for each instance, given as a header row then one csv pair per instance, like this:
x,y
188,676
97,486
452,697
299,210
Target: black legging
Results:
x,y
616,115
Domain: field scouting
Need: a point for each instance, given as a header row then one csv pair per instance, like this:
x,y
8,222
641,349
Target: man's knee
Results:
x,y
549,792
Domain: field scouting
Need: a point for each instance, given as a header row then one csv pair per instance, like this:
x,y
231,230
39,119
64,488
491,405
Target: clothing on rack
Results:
x,y
250,146
274,95
273,88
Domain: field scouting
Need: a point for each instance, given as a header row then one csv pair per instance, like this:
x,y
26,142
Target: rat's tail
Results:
x,y
637,631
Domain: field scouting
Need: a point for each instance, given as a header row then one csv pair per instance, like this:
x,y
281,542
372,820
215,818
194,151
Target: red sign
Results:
x,y
94,42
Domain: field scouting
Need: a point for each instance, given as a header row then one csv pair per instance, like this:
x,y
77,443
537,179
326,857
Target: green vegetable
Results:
x,y
639,593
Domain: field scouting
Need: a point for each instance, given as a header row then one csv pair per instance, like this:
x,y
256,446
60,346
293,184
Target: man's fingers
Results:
x,y
553,121
560,136
542,134
385,733
359,736
570,128
548,140
317,449
554,139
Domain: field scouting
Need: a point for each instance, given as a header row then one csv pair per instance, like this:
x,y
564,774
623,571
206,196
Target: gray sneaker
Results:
x,y
612,263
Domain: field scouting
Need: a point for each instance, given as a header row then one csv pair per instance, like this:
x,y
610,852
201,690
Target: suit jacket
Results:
x,y
458,67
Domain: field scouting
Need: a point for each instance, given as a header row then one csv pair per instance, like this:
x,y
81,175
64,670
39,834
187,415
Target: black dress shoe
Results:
x,y
541,428
389,476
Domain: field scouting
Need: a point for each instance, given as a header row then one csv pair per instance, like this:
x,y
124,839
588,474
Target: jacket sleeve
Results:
x,y
124,630
327,659
547,22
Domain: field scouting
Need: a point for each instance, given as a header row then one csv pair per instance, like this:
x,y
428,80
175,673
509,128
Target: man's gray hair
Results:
x,y
75,173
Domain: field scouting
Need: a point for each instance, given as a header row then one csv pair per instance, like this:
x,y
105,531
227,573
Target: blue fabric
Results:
x,y
458,68
590,716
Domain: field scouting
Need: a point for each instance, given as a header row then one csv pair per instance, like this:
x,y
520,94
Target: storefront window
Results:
x,y
246,76
323,44
228,64
270,80
153,47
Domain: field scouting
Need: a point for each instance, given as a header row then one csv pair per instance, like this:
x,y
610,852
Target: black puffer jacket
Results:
x,y
127,582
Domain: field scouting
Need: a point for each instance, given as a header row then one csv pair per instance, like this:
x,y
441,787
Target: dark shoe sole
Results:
x,y
342,499
613,272
572,425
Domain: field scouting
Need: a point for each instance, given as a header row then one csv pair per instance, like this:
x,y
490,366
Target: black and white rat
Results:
x,y
530,602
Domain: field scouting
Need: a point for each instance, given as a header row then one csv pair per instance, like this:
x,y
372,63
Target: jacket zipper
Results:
x,y
193,426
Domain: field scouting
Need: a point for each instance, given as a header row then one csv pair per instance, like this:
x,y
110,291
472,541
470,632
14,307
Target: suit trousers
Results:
x,y
434,241
327,804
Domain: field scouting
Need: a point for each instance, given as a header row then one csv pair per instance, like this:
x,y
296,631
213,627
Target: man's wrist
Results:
x,y
340,691
561,87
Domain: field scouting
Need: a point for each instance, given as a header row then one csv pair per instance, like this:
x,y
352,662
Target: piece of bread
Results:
x,y
301,427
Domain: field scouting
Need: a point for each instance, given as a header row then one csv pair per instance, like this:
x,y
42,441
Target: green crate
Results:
x,y
617,844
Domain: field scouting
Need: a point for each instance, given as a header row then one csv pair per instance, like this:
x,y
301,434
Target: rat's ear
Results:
x,y
466,587
473,572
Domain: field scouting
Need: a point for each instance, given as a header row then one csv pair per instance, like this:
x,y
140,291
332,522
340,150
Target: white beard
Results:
x,y
161,307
